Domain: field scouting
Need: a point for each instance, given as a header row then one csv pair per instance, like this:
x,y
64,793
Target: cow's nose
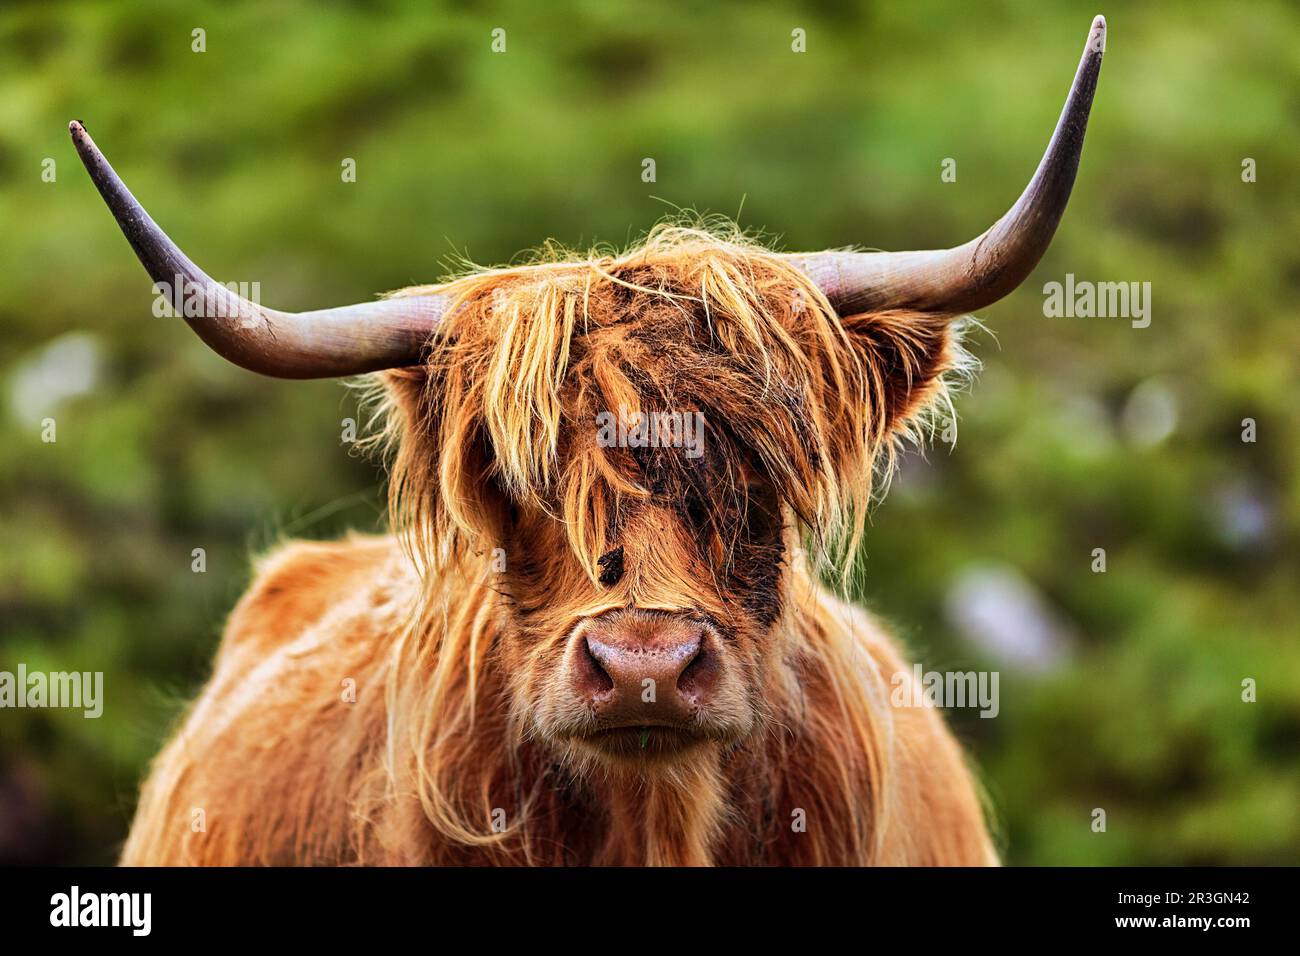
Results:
x,y
640,668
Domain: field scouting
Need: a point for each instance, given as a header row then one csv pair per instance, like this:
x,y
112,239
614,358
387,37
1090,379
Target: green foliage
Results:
x,y
237,151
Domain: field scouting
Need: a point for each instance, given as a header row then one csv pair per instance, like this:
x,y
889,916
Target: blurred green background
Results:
x,y
1119,690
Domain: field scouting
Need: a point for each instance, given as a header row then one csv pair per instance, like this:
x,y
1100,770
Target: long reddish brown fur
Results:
x,y
389,699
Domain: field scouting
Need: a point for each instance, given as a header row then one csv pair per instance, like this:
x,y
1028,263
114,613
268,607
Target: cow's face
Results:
x,y
669,645
632,452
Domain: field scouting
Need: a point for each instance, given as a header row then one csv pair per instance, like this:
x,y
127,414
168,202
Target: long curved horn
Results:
x,y
386,333
990,266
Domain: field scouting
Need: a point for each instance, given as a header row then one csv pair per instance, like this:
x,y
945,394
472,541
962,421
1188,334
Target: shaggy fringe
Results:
x,y
498,373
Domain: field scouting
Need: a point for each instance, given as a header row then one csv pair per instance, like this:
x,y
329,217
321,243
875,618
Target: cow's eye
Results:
x,y
611,567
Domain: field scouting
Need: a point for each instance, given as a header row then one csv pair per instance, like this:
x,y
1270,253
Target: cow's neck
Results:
x,y
670,820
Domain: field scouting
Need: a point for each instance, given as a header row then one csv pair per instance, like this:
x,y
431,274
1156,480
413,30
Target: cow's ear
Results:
x,y
907,357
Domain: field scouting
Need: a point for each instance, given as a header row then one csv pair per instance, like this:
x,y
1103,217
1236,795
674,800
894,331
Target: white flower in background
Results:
x,y
66,368
1243,516
1151,414
998,610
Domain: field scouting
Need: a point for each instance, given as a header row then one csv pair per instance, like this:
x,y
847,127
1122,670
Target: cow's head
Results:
x,y
632,449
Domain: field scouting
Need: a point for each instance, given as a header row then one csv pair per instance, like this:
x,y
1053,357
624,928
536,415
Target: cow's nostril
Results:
x,y
592,678
697,672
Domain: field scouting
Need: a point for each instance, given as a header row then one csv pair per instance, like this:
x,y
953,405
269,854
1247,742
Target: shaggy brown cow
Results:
x,y
580,647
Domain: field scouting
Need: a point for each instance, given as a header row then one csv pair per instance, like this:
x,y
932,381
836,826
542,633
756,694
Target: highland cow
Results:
x,y
574,649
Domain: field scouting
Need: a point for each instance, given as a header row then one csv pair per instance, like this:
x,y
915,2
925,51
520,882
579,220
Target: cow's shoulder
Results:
x,y
294,704
298,584
937,806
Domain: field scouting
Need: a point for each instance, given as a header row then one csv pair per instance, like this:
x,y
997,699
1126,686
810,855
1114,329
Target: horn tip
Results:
x,y
84,145
1098,32
80,138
